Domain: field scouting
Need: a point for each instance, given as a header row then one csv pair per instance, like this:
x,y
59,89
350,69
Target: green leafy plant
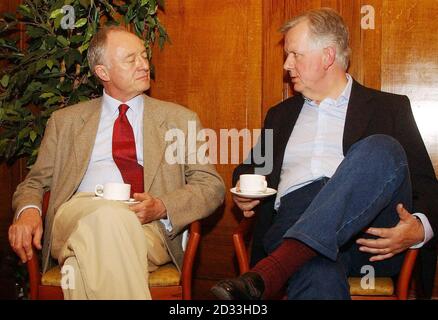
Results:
x,y
51,71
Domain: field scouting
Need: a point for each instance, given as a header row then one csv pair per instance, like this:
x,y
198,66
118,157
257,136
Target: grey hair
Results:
x,y
97,45
326,27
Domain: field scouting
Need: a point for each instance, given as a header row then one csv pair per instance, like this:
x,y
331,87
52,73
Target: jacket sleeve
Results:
x,y
39,178
424,182
202,193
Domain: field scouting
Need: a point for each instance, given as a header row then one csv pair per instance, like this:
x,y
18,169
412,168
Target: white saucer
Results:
x,y
130,201
254,195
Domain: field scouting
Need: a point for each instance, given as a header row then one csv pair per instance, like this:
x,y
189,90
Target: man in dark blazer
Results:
x,y
350,166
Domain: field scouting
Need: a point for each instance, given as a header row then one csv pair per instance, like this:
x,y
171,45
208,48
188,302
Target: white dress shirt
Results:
x,y
315,150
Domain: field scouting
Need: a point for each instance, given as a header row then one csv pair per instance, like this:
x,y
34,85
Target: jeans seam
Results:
x,y
381,191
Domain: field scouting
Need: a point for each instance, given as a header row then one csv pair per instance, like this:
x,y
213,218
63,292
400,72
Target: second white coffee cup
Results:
x,y
253,183
113,191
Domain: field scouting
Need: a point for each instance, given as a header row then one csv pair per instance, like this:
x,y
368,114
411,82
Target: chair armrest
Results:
x,y
404,278
189,258
33,270
239,235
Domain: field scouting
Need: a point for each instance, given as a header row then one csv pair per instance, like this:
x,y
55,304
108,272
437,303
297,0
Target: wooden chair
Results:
x,y
384,289
166,283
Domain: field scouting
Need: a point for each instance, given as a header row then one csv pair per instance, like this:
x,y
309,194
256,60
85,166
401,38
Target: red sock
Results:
x,y
281,264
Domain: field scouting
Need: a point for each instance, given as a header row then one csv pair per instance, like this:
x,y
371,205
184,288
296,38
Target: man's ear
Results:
x,y
329,57
102,72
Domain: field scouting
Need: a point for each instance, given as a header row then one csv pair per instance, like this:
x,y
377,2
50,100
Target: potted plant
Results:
x,y
51,71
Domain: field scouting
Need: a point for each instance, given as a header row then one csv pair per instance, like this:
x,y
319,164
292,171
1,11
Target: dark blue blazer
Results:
x,y
369,112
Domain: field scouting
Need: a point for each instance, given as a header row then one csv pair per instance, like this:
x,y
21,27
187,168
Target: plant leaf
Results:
x,y
5,81
81,22
23,8
84,47
47,95
85,3
63,41
56,13
32,136
49,64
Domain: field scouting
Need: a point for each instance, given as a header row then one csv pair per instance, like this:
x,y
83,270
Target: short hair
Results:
x,y
97,45
326,26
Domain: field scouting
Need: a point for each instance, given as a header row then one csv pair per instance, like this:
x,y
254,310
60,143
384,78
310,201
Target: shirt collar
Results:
x,y
343,97
111,106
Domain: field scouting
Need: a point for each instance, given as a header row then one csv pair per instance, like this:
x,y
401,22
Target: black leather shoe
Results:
x,y
249,286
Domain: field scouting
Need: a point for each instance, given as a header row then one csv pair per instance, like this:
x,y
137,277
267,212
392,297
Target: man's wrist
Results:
x,y
28,209
161,209
420,231
426,230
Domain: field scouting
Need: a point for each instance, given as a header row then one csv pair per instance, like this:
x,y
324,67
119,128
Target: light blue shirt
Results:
x,y
102,168
314,149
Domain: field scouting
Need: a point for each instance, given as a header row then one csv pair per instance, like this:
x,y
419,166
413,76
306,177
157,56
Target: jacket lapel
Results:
x,y
154,144
290,117
85,135
359,113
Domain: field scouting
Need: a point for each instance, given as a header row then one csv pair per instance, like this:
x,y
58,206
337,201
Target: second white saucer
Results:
x,y
255,195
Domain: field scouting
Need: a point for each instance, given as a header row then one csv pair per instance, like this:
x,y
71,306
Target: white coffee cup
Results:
x,y
113,191
253,183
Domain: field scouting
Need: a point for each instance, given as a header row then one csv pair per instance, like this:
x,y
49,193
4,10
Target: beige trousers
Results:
x,y
105,251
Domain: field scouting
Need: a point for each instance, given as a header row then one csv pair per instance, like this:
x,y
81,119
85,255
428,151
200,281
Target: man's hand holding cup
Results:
x,y
249,183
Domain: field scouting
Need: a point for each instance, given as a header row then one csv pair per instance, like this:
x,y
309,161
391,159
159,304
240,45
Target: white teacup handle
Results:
x,y
98,190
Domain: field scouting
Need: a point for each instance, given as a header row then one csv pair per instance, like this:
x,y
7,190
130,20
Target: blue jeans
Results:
x,y
330,214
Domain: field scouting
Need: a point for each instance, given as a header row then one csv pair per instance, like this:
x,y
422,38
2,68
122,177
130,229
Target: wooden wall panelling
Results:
x,y
9,5
213,67
370,54
295,7
410,62
273,54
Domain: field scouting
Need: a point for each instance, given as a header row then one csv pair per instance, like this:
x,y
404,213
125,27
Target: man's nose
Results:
x,y
289,63
143,63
